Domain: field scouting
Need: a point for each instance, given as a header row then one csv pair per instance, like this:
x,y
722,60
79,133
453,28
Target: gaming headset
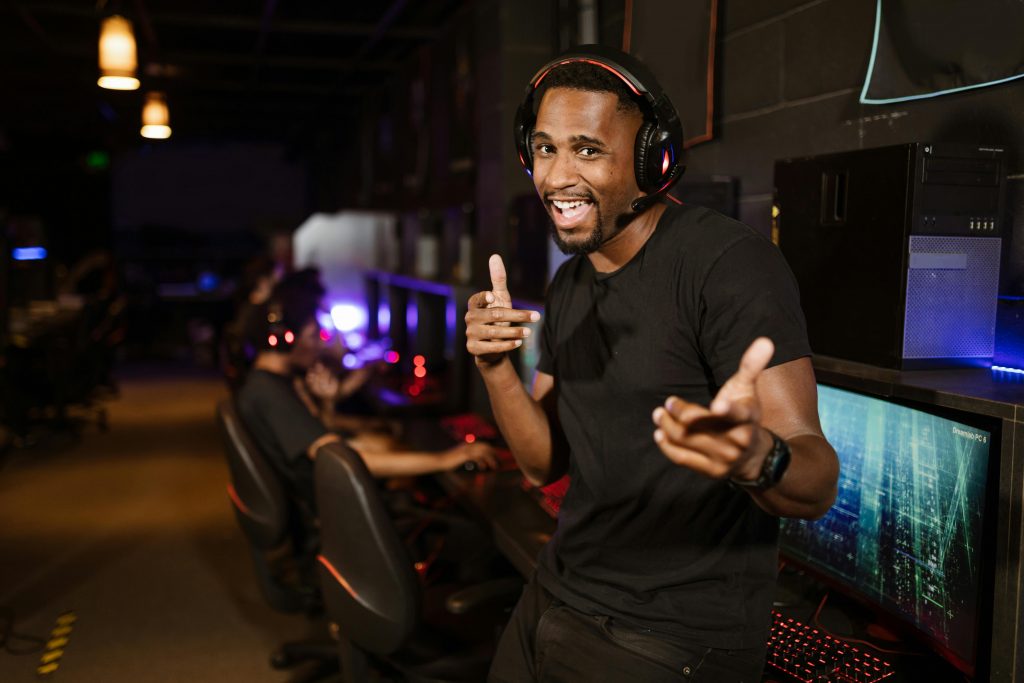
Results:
x,y
279,336
658,151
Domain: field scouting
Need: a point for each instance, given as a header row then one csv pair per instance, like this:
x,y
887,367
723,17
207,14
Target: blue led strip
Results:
x,y
1001,368
892,100
28,253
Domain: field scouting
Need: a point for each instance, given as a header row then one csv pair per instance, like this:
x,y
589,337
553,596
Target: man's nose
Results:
x,y
563,172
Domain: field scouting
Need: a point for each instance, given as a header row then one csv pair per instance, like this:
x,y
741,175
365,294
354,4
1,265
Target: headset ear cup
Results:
x,y
645,178
522,127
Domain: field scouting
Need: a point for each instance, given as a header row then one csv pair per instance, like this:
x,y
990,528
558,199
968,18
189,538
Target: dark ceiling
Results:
x,y
270,69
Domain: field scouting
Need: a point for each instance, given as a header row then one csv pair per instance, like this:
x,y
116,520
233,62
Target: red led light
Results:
x,y
629,85
414,390
289,337
420,372
419,361
470,438
272,340
664,163
391,357
325,335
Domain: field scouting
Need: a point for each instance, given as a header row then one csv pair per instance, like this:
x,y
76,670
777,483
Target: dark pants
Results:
x,y
548,641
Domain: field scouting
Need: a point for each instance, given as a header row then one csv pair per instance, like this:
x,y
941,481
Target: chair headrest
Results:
x,y
254,488
370,588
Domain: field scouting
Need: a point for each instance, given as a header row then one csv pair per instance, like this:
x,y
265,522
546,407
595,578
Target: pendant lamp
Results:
x,y
156,118
117,55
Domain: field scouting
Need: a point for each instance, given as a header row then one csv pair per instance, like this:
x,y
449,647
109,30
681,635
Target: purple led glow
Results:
x,y
412,317
324,320
348,317
350,361
354,340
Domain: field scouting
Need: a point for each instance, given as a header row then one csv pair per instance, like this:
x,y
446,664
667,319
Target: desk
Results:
x,y
520,526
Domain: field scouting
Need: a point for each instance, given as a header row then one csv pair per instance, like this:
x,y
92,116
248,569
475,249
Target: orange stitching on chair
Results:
x,y
344,584
233,495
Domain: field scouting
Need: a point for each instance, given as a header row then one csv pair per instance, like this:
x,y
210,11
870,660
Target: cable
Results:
x,y
817,622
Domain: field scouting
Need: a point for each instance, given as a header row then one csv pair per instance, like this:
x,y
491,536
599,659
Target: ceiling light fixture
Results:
x,y
156,118
117,55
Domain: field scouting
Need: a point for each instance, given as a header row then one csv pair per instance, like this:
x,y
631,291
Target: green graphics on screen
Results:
x,y
906,528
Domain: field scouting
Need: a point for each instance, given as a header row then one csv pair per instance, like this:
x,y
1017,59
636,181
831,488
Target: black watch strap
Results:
x,y
774,466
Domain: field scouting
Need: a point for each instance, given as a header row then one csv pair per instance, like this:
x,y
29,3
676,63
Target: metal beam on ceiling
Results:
x,y
243,23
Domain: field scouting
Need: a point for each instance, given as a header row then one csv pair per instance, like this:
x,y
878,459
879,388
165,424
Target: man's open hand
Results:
x,y
725,440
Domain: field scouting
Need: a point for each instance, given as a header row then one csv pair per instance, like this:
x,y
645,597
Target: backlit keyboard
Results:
x,y
469,427
549,497
813,656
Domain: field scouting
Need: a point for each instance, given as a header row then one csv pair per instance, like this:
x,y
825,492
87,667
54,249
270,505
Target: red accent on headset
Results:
x,y
664,162
625,80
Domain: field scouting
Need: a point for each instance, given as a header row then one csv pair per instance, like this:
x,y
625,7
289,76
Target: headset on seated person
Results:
x,y
280,337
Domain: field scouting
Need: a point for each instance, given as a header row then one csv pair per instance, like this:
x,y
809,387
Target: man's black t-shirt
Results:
x,y
282,426
640,538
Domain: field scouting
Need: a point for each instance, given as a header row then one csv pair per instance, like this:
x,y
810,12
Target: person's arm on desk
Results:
x,y
527,422
381,453
386,456
397,462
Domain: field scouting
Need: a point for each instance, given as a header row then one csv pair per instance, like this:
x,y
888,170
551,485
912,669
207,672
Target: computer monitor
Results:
x,y
528,356
907,532
431,326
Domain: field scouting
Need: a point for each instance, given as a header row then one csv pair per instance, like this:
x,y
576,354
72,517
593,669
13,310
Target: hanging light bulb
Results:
x,y
117,55
156,119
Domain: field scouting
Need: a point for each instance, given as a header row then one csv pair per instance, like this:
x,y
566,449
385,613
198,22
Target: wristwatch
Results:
x,y
774,466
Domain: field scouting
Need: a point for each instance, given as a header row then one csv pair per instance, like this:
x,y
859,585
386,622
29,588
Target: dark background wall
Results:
x,y
789,78
209,188
433,135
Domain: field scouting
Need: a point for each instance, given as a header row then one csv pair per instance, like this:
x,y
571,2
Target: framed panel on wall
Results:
x,y
677,41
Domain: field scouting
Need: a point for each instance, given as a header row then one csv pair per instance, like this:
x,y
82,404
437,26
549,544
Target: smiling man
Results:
x,y
674,387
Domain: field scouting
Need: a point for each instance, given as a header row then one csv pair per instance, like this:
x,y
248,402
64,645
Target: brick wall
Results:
x,y
788,79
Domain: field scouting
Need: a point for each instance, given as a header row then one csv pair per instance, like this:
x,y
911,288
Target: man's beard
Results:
x,y
594,240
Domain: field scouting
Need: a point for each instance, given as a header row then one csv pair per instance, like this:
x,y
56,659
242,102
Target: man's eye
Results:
x,y
543,148
588,151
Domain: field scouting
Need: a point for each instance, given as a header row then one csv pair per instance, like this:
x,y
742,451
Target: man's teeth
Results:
x,y
571,209
568,205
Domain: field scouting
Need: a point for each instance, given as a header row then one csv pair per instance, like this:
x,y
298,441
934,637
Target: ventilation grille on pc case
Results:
x,y
952,290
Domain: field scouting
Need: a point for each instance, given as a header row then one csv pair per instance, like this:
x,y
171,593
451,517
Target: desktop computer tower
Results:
x,y
896,251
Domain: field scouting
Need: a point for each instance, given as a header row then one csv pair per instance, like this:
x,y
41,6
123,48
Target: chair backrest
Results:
x,y
260,502
370,589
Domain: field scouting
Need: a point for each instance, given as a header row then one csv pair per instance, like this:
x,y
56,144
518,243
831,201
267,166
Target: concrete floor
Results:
x,y
132,530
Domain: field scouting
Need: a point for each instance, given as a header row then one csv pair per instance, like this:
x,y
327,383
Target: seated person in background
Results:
x,y
322,389
237,351
286,428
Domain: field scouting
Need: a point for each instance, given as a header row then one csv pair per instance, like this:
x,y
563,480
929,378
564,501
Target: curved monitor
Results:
x,y
906,531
